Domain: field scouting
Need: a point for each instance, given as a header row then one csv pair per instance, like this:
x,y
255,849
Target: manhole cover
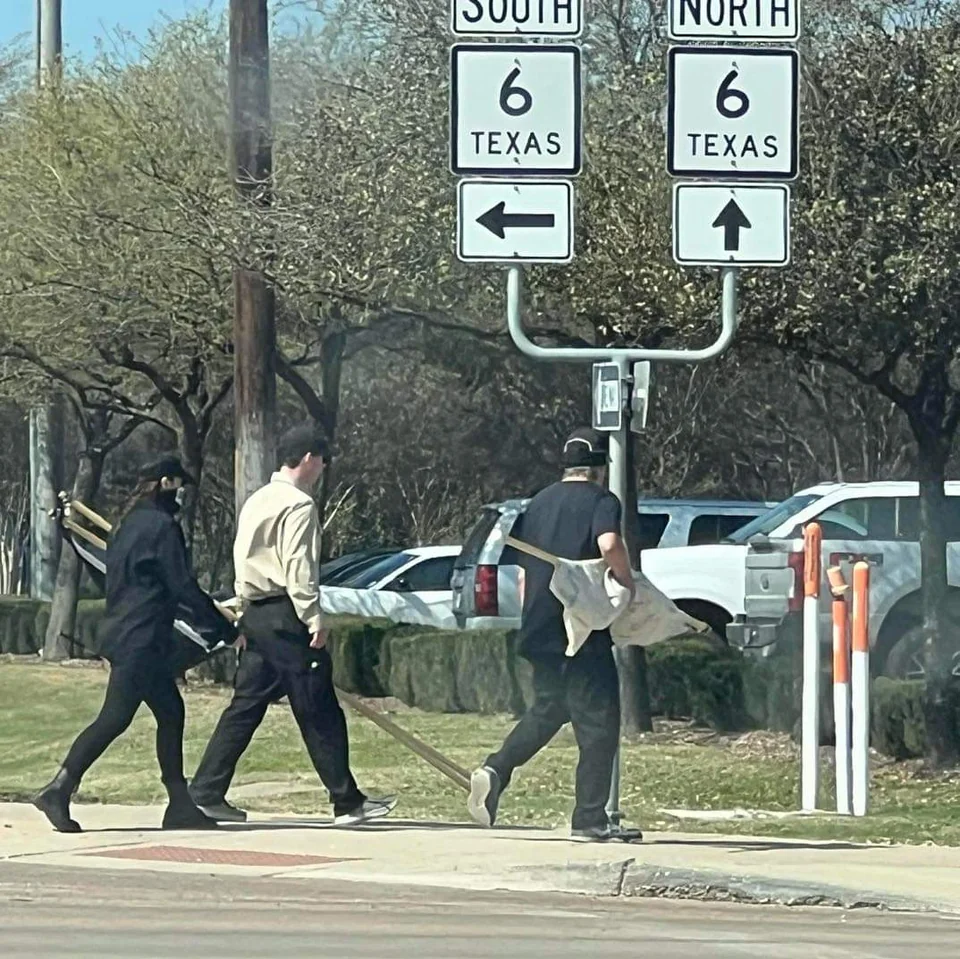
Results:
x,y
217,857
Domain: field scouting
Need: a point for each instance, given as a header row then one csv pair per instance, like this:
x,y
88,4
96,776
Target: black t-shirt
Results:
x,y
565,519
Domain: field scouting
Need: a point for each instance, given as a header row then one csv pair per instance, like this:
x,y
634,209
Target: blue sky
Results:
x,y
86,20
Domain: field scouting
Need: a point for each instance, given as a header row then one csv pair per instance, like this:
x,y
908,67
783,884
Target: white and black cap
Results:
x,y
585,447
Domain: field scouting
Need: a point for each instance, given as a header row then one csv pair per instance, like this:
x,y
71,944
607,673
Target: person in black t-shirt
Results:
x,y
574,519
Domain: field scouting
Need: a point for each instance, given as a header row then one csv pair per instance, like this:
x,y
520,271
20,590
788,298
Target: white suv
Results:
x,y
486,576
876,522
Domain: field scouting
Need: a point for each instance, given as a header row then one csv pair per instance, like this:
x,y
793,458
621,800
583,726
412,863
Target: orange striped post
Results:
x,y
841,689
810,721
860,688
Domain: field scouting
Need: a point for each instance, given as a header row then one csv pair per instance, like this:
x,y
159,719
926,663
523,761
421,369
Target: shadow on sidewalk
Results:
x,y
274,825
763,845
734,845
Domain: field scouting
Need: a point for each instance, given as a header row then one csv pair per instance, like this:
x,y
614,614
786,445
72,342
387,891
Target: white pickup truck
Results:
x,y
750,586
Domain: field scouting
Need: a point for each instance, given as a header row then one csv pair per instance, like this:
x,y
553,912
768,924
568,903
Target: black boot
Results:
x,y
182,812
54,801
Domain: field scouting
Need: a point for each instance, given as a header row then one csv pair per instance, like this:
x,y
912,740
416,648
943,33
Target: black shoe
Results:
x,y
181,815
222,811
484,797
605,834
54,802
182,812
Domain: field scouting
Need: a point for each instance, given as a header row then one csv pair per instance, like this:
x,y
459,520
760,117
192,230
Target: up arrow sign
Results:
x,y
730,224
732,220
498,221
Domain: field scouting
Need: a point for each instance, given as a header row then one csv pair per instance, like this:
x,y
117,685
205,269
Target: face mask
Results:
x,y
169,499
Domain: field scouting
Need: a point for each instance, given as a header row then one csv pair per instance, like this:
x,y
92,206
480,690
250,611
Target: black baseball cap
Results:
x,y
167,466
585,447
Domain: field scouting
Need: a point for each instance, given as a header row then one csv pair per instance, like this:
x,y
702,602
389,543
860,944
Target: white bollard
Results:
x,y
810,721
841,705
860,689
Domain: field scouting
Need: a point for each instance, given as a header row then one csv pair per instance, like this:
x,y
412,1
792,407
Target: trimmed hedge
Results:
x,y
480,672
700,680
23,624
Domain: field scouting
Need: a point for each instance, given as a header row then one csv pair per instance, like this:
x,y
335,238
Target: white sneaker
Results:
x,y
484,796
371,809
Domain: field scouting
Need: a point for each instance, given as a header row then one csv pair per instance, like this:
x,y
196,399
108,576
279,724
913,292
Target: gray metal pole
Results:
x,y
619,486
619,440
43,496
599,354
49,40
46,437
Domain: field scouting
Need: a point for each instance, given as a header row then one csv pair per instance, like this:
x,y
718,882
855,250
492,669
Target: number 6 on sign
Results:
x,y
726,93
509,90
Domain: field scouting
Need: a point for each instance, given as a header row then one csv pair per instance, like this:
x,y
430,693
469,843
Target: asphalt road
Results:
x,y
53,914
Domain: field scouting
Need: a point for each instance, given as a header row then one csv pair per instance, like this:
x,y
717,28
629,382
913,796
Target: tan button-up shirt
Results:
x,y
277,549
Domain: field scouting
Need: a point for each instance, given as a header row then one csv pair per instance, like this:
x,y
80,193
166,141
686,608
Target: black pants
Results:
x,y
134,679
584,690
278,661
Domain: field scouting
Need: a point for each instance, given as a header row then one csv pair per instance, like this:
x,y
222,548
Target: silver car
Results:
x,y
486,575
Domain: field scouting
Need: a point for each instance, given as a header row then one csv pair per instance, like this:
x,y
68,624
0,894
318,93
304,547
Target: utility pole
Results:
x,y
46,422
49,41
254,330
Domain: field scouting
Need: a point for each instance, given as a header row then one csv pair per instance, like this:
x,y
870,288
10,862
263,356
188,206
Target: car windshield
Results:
x,y
767,522
370,575
337,571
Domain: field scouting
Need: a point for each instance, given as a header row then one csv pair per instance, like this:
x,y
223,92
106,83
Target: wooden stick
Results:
x,y
436,759
426,752
441,763
84,534
533,551
90,515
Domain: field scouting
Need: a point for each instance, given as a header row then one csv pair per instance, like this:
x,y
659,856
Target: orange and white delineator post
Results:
x,y
810,719
841,690
860,688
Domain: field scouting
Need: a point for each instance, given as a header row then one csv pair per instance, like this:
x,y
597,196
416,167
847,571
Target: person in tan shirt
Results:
x,y
276,558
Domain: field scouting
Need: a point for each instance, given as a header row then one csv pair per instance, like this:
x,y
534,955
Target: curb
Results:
x,y
643,880
630,879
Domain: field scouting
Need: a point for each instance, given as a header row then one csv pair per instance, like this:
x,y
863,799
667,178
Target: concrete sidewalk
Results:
x,y
454,855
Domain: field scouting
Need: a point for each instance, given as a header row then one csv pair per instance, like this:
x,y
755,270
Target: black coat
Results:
x,y
149,584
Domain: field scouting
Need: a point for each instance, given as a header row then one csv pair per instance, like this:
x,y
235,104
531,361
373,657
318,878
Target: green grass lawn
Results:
x,y
43,707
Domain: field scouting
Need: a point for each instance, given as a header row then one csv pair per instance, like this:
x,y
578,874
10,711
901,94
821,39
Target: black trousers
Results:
x,y
139,677
278,661
584,690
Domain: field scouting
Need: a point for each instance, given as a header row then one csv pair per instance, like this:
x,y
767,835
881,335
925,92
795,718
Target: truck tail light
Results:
x,y
485,591
795,562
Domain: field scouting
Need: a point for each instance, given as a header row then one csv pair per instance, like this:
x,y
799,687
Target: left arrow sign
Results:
x,y
498,221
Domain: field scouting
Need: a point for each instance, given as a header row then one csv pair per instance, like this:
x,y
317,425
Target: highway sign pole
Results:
x,y
619,486
600,354
516,131
620,435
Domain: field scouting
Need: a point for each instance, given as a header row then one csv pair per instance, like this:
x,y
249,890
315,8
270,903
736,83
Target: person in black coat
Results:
x,y
148,578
